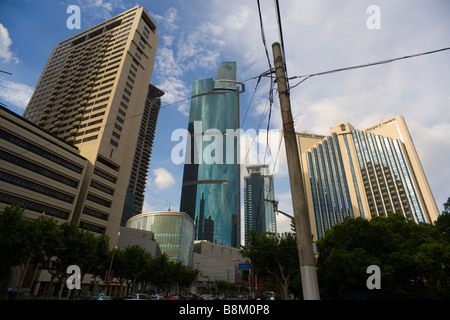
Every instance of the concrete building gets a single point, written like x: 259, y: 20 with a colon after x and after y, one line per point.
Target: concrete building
x: 145, y: 239
x: 92, y: 93
x: 38, y: 171
x: 364, y: 173
x: 216, y: 262
x: 259, y: 214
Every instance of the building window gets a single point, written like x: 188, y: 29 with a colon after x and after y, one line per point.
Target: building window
x: 101, y: 187
x: 18, y: 181
x: 92, y: 227
x: 105, y: 175
x: 35, y: 149
x: 98, y: 200
x: 114, y: 143
x: 36, y: 168
x: 115, y: 134
x: 34, y: 206
x: 95, y: 213
x: 90, y: 138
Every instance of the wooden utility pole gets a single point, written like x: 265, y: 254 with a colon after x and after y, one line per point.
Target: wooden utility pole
x: 300, y: 206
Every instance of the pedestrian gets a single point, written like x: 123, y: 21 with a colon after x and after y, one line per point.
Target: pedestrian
x: 8, y: 293
x: 15, y: 293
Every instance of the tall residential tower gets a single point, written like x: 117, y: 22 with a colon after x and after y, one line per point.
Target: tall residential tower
x: 93, y: 93
x: 364, y: 173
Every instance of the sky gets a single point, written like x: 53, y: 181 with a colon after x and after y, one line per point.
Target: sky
x: 318, y: 35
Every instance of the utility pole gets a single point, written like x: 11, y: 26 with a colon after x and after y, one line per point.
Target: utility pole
x: 300, y: 206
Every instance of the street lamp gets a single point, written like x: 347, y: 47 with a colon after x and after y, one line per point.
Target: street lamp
x: 108, y: 276
x: 275, y: 208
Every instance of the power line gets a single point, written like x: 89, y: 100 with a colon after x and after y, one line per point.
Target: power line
x: 280, y: 31
x: 263, y: 37
x: 307, y: 76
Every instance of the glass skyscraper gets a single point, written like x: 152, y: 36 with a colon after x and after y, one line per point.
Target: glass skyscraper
x: 364, y: 173
x: 259, y: 214
x: 211, y: 180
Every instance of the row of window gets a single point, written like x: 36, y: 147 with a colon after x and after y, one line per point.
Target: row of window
x: 39, y: 151
x: 21, y: 182
x: 37, y: 168
x: 34, y: 206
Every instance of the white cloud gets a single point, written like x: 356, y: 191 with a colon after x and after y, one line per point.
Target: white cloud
x: 176, y: 92
x: 285, y: 205
x: 167, y: 65
x: 18, y: 94
x: 163, y: 178
x: 100, y: 9
x: 322, y: 35
x: 5, y: 44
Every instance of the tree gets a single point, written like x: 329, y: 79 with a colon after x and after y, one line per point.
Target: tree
x: 413, y: 258
x: 14, y: 245
x: 274, y: 257
x: 129, y: 265
x: 443, y: 221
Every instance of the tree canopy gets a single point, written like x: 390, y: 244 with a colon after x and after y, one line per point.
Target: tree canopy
x: 55, y: 247
x: 414, y: 259
x: 274, y: 258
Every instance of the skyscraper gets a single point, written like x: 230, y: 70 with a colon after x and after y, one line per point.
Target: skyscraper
x: 259, y: 214
x: 210, y: 191
x: 134, y: 201
x: 364, y: 173
x: 92, y: 93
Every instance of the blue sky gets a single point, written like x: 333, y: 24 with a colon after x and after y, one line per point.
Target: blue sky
x: 197, y: 35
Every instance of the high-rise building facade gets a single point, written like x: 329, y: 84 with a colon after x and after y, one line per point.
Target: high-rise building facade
x: 364, y: 173
x: 211, y: 180
x: 92, y: 93
x: 259, y: 214
x: 134, y: 200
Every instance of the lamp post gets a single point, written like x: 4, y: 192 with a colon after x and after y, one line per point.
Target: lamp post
x: 108, y: 276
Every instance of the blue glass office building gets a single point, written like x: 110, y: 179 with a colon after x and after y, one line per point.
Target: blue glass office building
x: 364, y: 173
x: 259, y: 214
x: 211, y: 180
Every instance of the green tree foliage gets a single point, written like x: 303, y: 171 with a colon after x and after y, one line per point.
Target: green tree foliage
x: 14, y: 247
x: 414, y: 259
x: 49, y: 246
x: 274, y: 258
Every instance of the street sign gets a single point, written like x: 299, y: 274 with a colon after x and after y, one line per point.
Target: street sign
x: 244, y: 266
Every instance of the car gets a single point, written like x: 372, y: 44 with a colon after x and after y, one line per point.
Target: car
x: 137, y: 296
x: 100, y: 297
x: 157, y: 297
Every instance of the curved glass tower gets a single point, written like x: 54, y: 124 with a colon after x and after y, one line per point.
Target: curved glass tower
x: 211, y: 184
x: 174, y: 232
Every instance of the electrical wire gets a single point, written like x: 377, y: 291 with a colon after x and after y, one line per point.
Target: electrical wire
x: 306, y: 77
x: 280, y: 31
